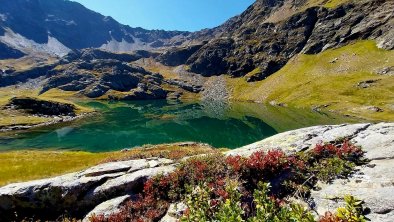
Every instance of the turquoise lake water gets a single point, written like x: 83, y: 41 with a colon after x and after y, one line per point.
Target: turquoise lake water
x: 121, y: 125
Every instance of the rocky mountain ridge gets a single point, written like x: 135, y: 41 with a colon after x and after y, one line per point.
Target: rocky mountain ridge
x: 263, y: 39
x: 56, y: 27
x: 255, y: 44
x: 268, y: 37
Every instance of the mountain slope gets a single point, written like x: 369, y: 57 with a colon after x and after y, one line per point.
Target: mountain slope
x: 332, y: 55
x: 269, y: 33
x: 56, y: 26
x: 356, y: 80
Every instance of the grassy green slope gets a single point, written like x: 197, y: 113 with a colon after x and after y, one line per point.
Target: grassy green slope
x: 329, y: 78
x: 327, y: 3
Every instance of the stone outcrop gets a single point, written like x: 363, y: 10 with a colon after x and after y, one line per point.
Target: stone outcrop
x: 174, y: 212
x: 177, y: 56
x: 373, y: 183
x: 42, y: 107
x: 16, y: 77
x: 108, y: 207
x: 96, y: 73
x: 80, y: 193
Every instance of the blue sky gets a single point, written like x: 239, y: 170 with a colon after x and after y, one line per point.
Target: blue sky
x: 184, y: 15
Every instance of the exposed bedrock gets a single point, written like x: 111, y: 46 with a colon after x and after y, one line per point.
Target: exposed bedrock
x: 373, y: 183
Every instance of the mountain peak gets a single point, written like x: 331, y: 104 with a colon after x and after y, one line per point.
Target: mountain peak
x: 74, y: 27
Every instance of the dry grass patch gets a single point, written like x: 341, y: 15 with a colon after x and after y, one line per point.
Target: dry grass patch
x: 20, y: 166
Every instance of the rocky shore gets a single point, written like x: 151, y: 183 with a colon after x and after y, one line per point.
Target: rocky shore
x: 104, y: 188
x: 54, y: 112
x: 55, y: 120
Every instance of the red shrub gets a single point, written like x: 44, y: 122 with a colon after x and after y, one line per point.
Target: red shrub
x: 236, y: 163
x: 346, y: 151
x: 268, y: 165
x: 329, y: 217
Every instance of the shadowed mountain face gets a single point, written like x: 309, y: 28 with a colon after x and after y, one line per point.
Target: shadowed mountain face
x: 7, y: 52
x: 59, y: 25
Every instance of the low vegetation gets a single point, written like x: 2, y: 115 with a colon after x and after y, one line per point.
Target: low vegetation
x: 20, y: 166
x: 327, y: 3
x: 259, y: 188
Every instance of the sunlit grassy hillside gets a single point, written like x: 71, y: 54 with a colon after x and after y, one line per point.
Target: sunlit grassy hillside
x: 345, y: 80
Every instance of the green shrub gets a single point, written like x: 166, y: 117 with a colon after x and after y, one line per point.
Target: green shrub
x: 328, y: 169
x: 352, y: 212
x: 231, y: 210
x: 267, y: 209
x: 198, y: 202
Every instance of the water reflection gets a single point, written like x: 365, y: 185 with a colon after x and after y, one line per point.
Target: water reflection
x: 128, y: 124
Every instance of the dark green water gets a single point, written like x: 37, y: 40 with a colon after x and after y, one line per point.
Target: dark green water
x: 128, y: 124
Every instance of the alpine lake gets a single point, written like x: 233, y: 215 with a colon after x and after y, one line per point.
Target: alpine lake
x: 119, y: 125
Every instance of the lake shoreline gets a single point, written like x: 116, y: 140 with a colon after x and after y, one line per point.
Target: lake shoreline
x: 55, y: 120
x: 117, y: 125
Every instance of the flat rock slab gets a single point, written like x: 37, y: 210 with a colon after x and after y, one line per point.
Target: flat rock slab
x: 306, y: 138
x: 125, y: 166
x: 373, y: 183
x: 108, y: 207
x: 129, y: 181
x: 377, y: 140
x: 78, y: 193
